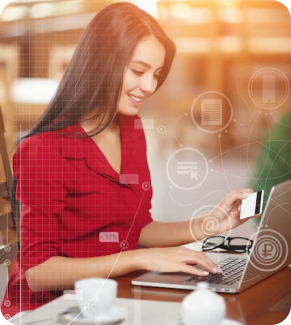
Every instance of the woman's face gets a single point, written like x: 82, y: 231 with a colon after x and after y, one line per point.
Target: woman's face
x: 141, y: 76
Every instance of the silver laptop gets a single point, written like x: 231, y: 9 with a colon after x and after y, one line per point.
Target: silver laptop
x: 270, y: 253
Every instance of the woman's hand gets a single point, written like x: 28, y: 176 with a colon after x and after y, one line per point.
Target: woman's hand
x: 224, y: 217
x: 228, y: 210
x: 175, y: 259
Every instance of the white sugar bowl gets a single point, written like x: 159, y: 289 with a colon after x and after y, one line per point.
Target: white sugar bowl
x: 203, y: 307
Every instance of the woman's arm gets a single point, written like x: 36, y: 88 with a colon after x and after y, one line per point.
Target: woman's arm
x: 165, y: 234
x: 59, y: 273
x: 224, y: 217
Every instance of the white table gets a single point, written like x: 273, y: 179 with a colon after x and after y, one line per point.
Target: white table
x: 140, y: 312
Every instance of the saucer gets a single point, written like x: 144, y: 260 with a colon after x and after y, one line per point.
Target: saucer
x: 224, y: 322
x: 116, y: 316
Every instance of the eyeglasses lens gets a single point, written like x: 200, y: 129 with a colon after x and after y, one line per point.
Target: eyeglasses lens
x: 240, y: 244
x: 213, y: 242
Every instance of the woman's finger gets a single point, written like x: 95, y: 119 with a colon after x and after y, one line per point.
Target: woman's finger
x: 202, y: 260
x: 247, y: 190
x: 209, y: 266
x: 207, y: 259
x: 192, y: 270
x: 236, y: 197
x: 201, y: 255
x: 194, y: 257
x: 252, y: 217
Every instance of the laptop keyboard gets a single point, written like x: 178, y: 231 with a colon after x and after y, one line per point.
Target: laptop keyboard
x: 232, y: 270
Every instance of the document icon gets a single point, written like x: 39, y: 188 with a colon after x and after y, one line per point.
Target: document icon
x: 188, y: 168
x: 211, y: 112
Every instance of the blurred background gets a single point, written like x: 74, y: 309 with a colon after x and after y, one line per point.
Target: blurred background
x: 229, y: 87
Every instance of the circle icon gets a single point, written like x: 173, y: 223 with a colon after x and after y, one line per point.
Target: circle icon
x: 212, y: 112
x: 161, y: 129
x: 146, y: 186
x: 187, y: 168
x: 7, y: 303
x: 206, y: 221
x: 7, y: 262
x: 89, y: 304
x: 124, y: 244
x: 265, y: 88
x: 270, y: 251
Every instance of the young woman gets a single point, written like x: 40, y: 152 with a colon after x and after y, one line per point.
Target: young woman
x: 82, y: 171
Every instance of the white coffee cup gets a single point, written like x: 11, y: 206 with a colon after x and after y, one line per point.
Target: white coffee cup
x: 98, y: 296
x: 203, y: 307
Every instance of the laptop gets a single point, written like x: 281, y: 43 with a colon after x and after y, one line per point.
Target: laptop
x: 271, y: 252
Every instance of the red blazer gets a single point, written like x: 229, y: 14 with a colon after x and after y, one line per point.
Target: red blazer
x: 70, y: 194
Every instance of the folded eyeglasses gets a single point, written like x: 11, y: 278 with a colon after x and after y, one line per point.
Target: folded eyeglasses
x: 232, y: 244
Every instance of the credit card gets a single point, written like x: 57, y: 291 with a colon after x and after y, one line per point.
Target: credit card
x: 252, y: 205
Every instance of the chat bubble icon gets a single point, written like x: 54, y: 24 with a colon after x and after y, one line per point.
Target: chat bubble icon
x: 128, y: 179
x: 146, y: 124
x: 109, y: 237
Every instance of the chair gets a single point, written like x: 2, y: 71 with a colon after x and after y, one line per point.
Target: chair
x: 10, y: 209
x: 9, y: 72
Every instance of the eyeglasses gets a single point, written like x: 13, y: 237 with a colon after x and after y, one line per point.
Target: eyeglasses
x: 233, y: 244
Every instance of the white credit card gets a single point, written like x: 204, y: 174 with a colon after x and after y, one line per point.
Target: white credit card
x: 252, y: 205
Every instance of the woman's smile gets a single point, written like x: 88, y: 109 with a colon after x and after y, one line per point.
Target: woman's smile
x: 136, y: 101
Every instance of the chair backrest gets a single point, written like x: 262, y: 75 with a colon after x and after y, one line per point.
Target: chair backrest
x: 9, y: 208
x: 9, y: 72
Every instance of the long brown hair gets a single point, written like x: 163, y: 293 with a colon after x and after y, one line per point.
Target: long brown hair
x: 94, y: 76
